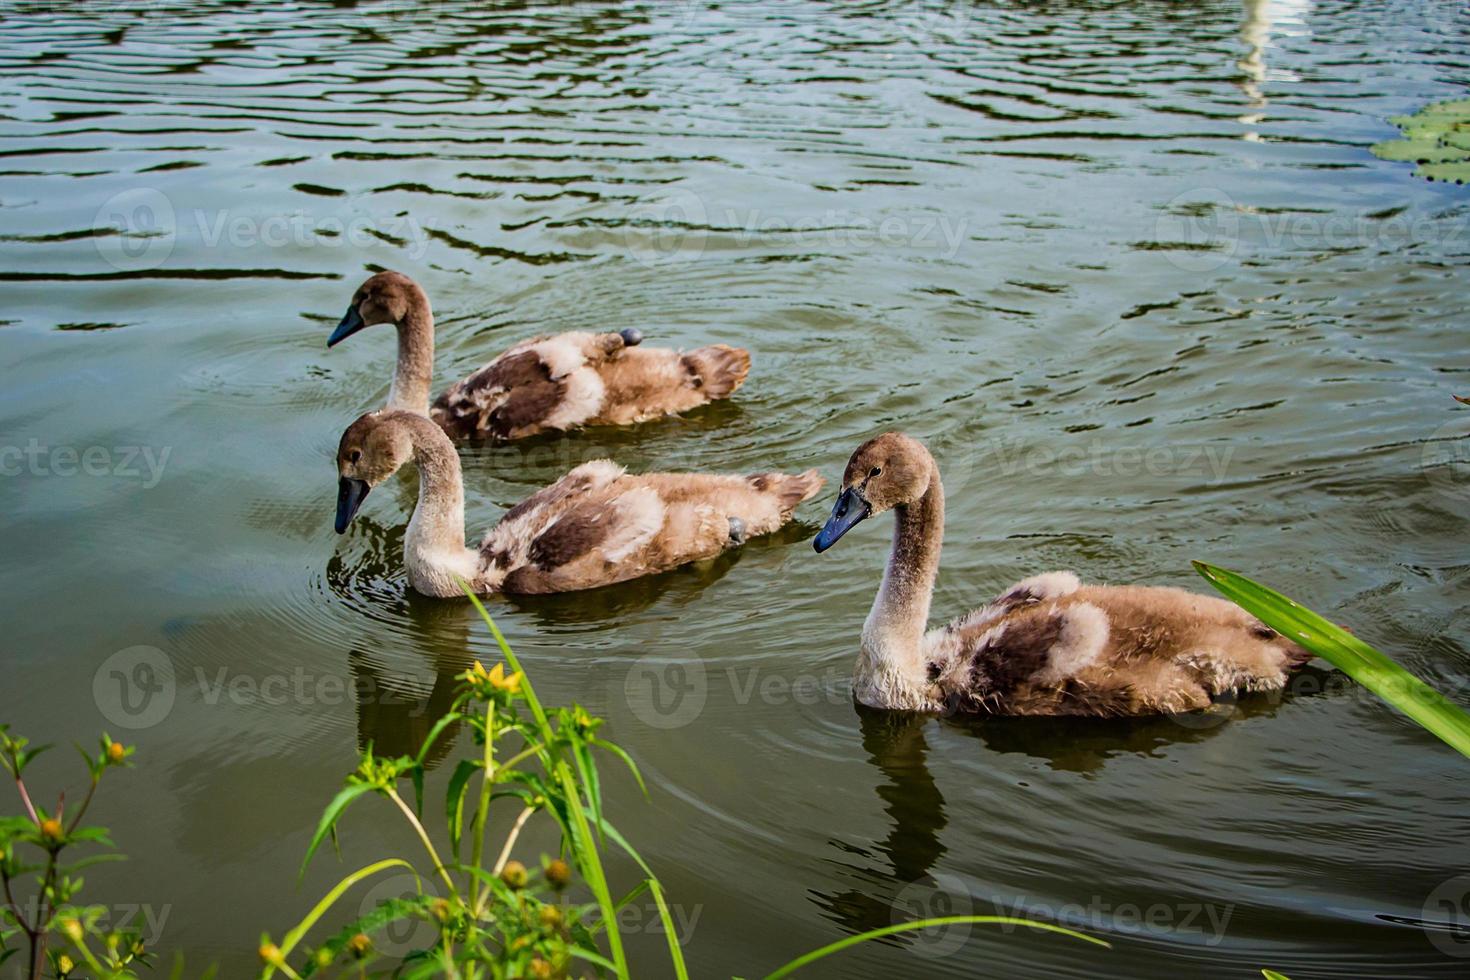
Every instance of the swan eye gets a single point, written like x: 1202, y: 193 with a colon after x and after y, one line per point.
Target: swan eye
x: 874, y: 471
x: 356, y: 455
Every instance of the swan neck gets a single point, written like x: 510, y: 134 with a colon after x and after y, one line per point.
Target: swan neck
x: 414, y: 373
x: 434, y: 546
x: 892, y: 671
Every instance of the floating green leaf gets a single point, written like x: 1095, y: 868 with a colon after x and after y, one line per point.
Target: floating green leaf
x: 1437, y: 138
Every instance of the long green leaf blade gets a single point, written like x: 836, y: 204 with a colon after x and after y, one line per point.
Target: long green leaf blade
x: 1003, y: 920
x: 329, y: 819
x: 1370, y: 668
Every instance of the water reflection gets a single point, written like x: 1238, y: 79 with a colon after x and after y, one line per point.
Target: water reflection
x: 1263, y: 18
x: 897, y: 746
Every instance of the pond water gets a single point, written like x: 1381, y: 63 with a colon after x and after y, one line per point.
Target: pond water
x: 1129, y: 268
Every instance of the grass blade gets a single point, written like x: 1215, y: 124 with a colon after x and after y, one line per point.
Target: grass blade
x: 1001, y: 920
x: 1370, y: 668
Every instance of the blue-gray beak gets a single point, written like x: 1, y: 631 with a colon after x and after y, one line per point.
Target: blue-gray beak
x: 847, y: 513
x: 350, y: 494
x: 351, y: 324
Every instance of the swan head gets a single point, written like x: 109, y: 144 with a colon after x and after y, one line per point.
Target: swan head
x: 383, y: 298
x: 887, y: 471
x: 371, y: 450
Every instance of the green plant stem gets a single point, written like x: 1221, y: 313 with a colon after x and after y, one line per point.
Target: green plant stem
x: 424, y: 836
x: 482, y: 811
x: 86, y: 802
x: 558, y: 769
x: 510, y: 839
x: 25, y: 797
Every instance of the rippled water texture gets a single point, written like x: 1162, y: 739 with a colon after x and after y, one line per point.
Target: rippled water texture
x: 1128, y: 267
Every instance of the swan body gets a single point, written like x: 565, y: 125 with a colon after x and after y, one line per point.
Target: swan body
x: 595, y: 526
x: 1049, y: 645
x: 548, y: 383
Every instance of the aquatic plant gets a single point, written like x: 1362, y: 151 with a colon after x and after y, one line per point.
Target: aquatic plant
x: 502, y: 918
x: 37, y: 845
x: 495, y: 916
x: 1370, y: 668
x: 1437, y: 138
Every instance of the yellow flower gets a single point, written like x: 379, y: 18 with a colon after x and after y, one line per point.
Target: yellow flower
x: 64, y: 965
x: 73, y: 929
x: 115, y: 752
x: 51, y: 828
x: 270, y: 953
x: 558, y: 874
x: 359, y: 945
x: 500, y: 682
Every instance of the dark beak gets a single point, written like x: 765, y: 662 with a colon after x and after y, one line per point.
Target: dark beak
x: 849, y: 510
x: 632, y: 336
x: 350, y: 495
x: 351, y: 324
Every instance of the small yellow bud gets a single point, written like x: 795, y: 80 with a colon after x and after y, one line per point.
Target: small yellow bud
x: 73, y: 929
x: 514, y: 874
x: 270, y: 954
x: 115, y: 752
x: 558, y: 874
x: 51, y: 828
x: 323, y: 958
x: 64, y: 965
x: 441, y: 909
x: 541, y: 970
x: 359, y: 945
x: 550, y: 916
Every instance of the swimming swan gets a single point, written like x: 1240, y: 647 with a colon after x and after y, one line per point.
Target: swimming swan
x: 1049, y: 645
x: 595, y: 526
x: 554, y: 382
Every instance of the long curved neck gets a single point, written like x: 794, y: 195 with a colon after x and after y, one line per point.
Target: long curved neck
x: 434, y: 549
x: 891, y: 669
x: 414, y: 373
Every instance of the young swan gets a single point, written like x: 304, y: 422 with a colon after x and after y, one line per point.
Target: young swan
x: 595, y: 526
x: 553, y: 382
x: 1049, y: 645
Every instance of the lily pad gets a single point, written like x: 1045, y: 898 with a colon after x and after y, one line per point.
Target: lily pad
x: 1437, y: 138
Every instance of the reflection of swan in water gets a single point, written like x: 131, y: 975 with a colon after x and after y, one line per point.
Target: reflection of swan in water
x: 902, y: 863
x: 396, y: 705
x: 896, y: 745
x: 1262, y: 19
